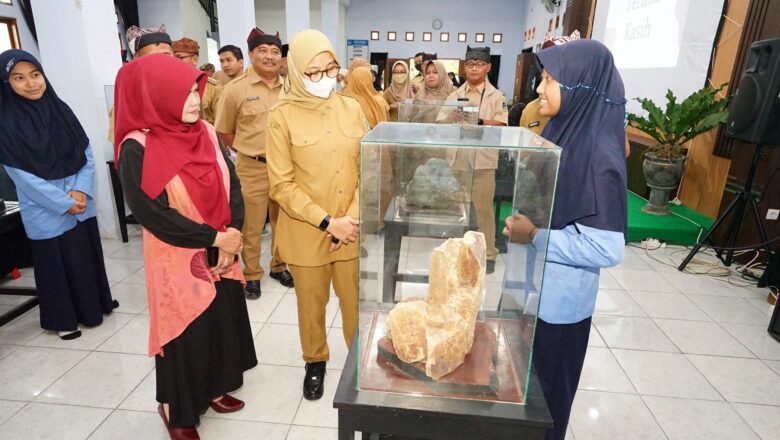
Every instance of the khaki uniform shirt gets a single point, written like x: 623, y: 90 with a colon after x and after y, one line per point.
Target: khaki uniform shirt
x: 418, y: 83
x: 208, y: 104
x: 491, y: 108
x: 531, y: 119
x: 221, y: 77
x: 243, y: 111
x: 313, y: 166
x: 111, y: 126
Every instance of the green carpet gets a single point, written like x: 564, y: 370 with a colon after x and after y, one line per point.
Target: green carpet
x: 682, y: 227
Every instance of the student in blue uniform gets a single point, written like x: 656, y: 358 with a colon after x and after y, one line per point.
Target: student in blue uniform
x: 582, y: 93
x: 47, y: 154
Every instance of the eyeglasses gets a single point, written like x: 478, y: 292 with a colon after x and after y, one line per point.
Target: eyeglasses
x: 332, y: 72
x: 401, y: 72
x: 184, y: 57
x: 476, y: 65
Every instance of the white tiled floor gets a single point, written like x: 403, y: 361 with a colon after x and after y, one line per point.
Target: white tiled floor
x: 672, y: 356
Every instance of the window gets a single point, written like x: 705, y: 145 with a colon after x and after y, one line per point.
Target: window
x: 479, y: 37
x: 391, y: 36
x: 6, y: 2
x: 409, y: 36
x: 498, y: 38
x: 374, y: 35
x: 9, y: 34
x: 462, y: 37
x: 427, y: 36
x: 444, y: 37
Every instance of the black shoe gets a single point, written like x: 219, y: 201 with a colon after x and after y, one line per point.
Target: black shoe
x: 314, y: 381
x: 490, y: 266
x: 69, y: 336
x: 284, y: 277
x: 114, y: 304
x: 252, y: 289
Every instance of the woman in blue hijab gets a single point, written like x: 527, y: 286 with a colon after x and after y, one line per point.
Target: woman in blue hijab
x: 46, y: 153
x: 582, y: 92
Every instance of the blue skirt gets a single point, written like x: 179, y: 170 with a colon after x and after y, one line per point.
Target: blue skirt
x: 70, y: 276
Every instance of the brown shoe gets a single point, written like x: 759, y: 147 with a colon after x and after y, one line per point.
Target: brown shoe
x: 227, y: 404
x: 189, y: 433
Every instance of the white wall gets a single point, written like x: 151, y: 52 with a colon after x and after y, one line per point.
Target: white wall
x: 498, y: 16
x: 537, y: 16
x: 151, y: 13
x: 270, y: 17
x: 195, y: 24
x: 25, y: 36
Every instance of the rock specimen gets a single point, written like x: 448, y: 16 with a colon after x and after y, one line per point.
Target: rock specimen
x: 406, y: 327
x: 433, y: 186
x: 441, y: 330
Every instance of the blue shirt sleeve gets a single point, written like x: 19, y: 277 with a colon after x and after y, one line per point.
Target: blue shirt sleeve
x: 40, y: 191
x: 85, y: 178
x: 582, y: 246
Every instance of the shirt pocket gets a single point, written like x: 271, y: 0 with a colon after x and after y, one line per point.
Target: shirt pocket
x: 352, y: 137
x: 254, y: 112
x: 307, y: 151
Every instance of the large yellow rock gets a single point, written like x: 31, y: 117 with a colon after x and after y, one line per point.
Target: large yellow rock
x: 455, y: 292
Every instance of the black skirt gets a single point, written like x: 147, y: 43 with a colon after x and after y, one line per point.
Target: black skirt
x: 209, y: 358
x: 70, y: 276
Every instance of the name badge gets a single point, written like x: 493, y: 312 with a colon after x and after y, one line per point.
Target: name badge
x: 533, y: 124
x: 252, y: 98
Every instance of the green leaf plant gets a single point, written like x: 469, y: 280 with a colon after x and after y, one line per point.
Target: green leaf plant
x: 680, y: 122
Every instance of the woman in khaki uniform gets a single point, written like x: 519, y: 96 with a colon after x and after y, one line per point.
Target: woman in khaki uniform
x: 313, y: 142
x: 400, y: 88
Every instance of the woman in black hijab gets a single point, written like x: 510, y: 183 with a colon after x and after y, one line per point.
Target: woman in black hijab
x: 46, y: 152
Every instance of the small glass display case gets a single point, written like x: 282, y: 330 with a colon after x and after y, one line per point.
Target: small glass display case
x: 434, y: 320
x: 438, y: 112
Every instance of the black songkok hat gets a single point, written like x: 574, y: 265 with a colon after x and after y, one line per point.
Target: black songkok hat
x: 257, y: 37
x: 478, y: 54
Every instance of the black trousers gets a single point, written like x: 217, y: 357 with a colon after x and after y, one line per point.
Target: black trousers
x: 559, y: 354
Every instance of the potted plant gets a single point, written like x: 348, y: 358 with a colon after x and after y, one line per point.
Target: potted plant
x: 672, y: 128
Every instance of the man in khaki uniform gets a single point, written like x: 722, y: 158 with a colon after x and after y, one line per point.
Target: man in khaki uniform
x: 241, y: 123
x: 143, y: 42
x: 187, y: 50
x: 231, y: 61
x: 492, y: 111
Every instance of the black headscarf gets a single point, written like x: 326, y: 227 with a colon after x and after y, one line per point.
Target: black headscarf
x: 590, y: 128
x: 42, y: 137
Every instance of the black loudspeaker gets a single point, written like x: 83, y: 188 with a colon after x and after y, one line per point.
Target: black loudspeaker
x: 754, y: 111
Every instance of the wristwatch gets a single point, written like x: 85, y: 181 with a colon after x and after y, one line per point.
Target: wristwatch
x: 325, y: 223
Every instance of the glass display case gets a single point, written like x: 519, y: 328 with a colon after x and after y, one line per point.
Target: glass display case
x: 432, y: 321
x: 438, y: 112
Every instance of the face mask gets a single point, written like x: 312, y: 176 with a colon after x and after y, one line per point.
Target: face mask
x: 399, y: 78
x: 322, y: 88
x: 418, y: 66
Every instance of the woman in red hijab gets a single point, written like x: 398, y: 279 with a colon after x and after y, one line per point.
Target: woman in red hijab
x: 186, y: 196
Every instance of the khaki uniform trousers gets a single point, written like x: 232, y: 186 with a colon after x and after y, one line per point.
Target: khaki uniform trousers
x: 483, y: 191
x: 253, y: 175
x: 312, y: 289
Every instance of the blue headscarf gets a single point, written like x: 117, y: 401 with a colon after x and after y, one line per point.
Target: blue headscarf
x: 42, y: 137
x: 590, y: 128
